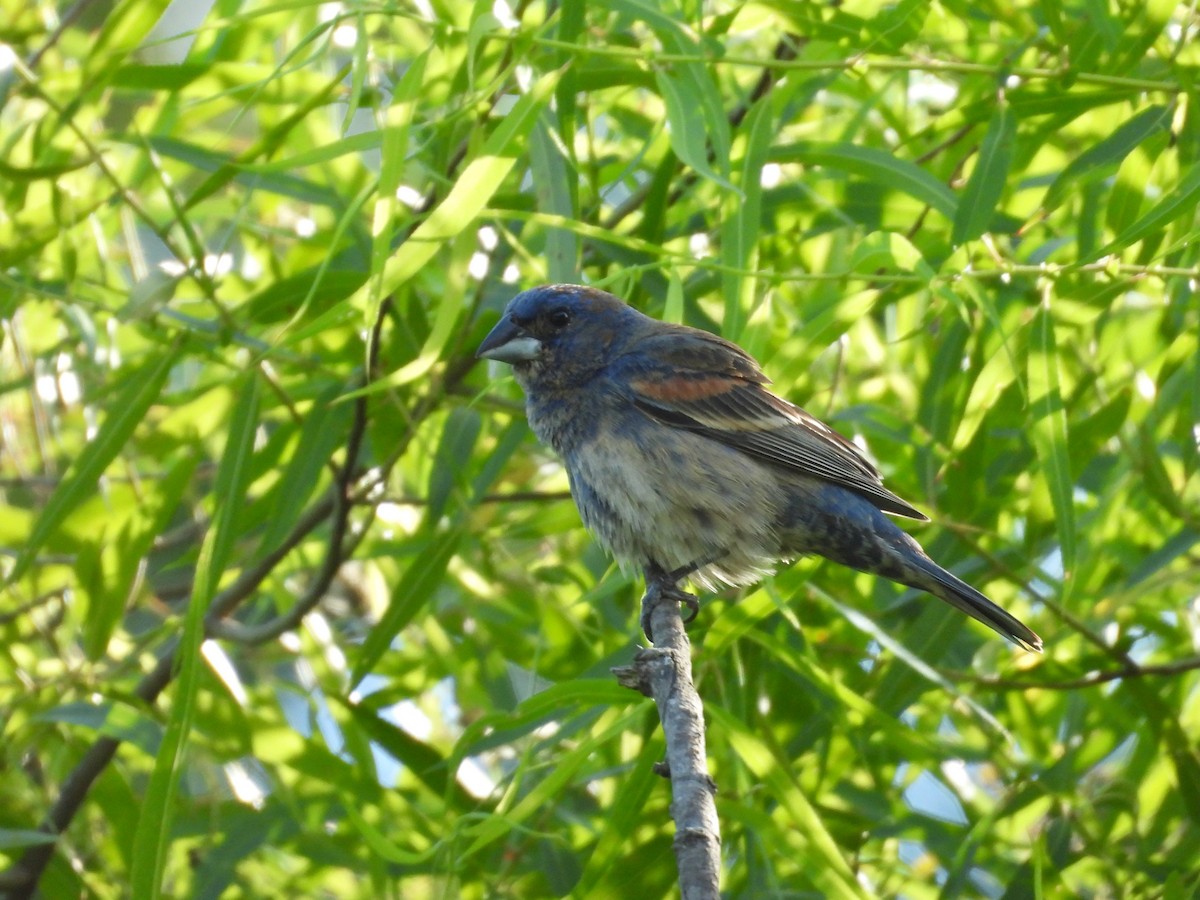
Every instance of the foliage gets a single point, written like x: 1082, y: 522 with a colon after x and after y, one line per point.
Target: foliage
x: 965, y: 234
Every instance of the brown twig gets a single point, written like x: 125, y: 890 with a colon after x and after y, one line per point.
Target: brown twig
x: 505, y: 497
x: 1092, y: 679
x: 339, y: 549
x: 785, y: 50
x: 9, y: 616
x: 664, y: 672
x: 22, y: 879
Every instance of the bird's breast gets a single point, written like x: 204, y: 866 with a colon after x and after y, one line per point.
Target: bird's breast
x: 656, y: 494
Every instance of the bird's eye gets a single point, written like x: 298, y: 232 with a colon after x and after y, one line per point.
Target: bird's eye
x: 560, y: 318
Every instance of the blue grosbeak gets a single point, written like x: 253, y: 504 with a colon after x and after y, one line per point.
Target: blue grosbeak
x: 683, y: 463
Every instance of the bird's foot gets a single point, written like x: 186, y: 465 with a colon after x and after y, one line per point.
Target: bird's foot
x: 663, y: 587
x: 658, y: 592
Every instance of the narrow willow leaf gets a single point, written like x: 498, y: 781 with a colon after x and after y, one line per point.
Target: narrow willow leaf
x: 16, y: 838
x: 153, y: 835
x: 424, y: 760
x: 129, y: 408
x: 452, y: 459
x: 159, y: 501
x: 686, y: 126
x: 741, y: 227
x: 877, y: 166
x: 351, y: 145
x: 831, y: 874
x: 696, y: 113
x: 323, y: 431
x: 476, y: 185
x: 544, y: 793
x: 125, y: 28
x: 1048, y: 431
x: 1127, y: 197
x: 379, y: 843
x: 266, y: 146
x: 673, y: 305
x: 393, y: 153
x: 1178, y: 201
x: 1104, y: 158
x: 557, y: 194
x: 411, y: 594
x: 622, y: 818
x: 986, y: 184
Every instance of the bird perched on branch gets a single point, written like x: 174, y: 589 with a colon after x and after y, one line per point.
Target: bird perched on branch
x: 683, y: 463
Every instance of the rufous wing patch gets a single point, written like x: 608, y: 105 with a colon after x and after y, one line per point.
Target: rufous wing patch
x: 678, y: 389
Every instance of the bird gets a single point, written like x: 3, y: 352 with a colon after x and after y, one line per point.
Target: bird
x: 684, y: 464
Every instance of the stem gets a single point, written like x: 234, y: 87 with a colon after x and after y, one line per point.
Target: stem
x: 664, y: 672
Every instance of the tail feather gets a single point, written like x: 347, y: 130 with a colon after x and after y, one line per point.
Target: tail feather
x: 962, y: 596
x: 843, y: 526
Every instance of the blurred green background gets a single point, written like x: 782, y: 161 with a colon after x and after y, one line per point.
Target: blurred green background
x: 965, y: 234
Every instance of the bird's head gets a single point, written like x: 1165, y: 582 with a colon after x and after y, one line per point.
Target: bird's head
x: 559, y: 335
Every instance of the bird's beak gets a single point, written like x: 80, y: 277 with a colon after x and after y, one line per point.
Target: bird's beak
x: 510, y: 343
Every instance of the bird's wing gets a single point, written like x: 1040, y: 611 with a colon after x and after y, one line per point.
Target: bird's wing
x: 694, y: 380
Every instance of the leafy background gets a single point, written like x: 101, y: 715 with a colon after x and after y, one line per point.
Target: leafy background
x: 965, y: 234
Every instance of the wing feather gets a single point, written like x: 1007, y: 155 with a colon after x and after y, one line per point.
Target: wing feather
x: 707, y: 385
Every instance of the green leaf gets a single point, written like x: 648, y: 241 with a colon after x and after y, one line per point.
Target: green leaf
x: 472, y: 190
x: 379, y: 842
x: 1048, y: 432
x: 1179, y: 201
x: 696, y: 115
x: 428, y: 765
x: 414, y: 590
x: 128, y: 409
x: 323, y: 431
x: 625, y: 814
x: 154, y: 830
x: 124, y: 28
x: 451, y: 462
x: 1127, y: 197
x: 555, y: 195
x: 283, y: 184
x: 567, y: 765
x: 986, y: 184
x: 741, y: 228
x: 16, y: 838
x: 265, y: 146
x: 159, y: 503
x: 829, y: 870
x: 686, y: 126
x: 875, y: 165
x: 1103, y: 159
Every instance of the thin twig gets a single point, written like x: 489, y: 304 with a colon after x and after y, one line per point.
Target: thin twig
x: 785, y: 50
x: 1092, y: 679
x: 505, y: 497
x: 11, y: 615
x: 21, y: 881
x: 339, y: 548
x: 664, y: 672
x: 859, y: 64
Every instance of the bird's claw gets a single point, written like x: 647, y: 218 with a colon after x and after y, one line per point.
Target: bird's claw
x: 662, y: 585
x: 693, y: 605
x: 659, y: 592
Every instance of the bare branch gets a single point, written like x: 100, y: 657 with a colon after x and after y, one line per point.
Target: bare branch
x: 664, y: 672
x: 1092, y: 679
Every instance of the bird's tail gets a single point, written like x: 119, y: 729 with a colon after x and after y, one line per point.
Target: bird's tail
x: 849, y: 529
x: 926, y: 575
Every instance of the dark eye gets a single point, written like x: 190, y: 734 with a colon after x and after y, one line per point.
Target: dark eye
x: 560, y: 318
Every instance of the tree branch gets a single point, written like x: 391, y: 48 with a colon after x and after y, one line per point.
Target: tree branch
x: 22, y: 879
x: 664, y: 672
x: 340, y: 549
x: 1092, y: 679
